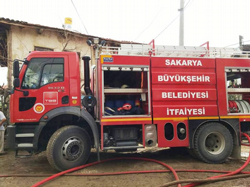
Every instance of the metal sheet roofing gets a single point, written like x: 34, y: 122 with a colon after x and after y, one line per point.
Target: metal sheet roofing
x: 7, y: 21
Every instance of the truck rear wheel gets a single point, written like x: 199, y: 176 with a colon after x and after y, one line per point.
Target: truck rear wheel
x: 68, y: 147
x: 213, y: 143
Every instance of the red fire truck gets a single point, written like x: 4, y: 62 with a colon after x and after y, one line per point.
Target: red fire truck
x: 136, y: 97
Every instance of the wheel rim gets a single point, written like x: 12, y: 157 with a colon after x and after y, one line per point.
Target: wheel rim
x: 215, y: 143
x: 72, y: 149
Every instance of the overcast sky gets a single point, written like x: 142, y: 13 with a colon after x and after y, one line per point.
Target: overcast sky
x: 218, y: 21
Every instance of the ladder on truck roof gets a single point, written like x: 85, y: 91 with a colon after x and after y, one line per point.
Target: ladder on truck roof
x: 175, y: 51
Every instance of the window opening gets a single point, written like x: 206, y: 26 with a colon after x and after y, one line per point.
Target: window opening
x: 238, y: 90
x: 125, y: 91
x: 52, y: 73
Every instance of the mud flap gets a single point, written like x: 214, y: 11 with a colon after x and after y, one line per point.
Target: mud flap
x: 236, y: 153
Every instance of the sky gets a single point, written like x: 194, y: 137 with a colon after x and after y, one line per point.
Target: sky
x: 218, y: 21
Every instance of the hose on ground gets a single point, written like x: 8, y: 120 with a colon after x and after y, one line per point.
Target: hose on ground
x: 206, y: 180
x: 118, y: 173
x: 228, y: 175
x: 231, y: 173
x: 98, y: 162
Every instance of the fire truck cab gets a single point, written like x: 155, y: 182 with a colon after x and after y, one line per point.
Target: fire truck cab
x: 136, y: 98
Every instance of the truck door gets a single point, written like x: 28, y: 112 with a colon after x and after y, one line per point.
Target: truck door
x: 47, y: 84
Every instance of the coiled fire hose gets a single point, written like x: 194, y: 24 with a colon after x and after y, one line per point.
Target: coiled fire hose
x: 228, y: 175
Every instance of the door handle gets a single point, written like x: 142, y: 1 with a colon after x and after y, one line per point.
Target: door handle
x: 65, y: 99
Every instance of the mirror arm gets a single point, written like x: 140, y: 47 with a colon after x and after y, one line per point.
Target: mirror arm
x: 25, y: 93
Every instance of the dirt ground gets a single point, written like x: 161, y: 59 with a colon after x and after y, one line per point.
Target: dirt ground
x: 176, y: 158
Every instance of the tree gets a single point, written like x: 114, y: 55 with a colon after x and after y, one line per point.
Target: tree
x: 3, y: 51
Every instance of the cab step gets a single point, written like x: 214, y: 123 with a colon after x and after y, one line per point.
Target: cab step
x: 25, y: 135
x: 24, y: 147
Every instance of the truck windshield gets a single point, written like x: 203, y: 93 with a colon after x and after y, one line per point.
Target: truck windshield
x: 33, y: 73
x: 42, y: 71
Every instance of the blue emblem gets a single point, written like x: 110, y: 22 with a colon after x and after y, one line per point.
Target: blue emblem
x: 107, y: 59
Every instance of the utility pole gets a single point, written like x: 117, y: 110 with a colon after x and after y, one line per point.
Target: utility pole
x: 181, y: 31
x: 240, y: 40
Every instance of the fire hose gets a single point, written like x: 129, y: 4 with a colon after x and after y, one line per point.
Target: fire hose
x: 228, y: 175
x: 231, y: 173
x: 98, y: 162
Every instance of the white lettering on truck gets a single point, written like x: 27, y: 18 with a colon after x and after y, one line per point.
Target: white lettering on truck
x: 185, y: 95
x: 186, y: 111
x: 182, y: 62
x: 183, y: 78
x: 50, y: 100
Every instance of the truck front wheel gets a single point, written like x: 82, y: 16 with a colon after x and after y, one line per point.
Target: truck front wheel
x: 213, y: 143
x: 68, y: 147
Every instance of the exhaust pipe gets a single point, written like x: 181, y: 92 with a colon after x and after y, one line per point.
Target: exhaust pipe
x: 87, y: 89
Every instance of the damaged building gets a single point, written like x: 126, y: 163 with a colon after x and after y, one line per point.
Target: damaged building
x: 18, y: 38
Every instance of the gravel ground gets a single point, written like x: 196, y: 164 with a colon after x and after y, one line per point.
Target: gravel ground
x: 176, y: 158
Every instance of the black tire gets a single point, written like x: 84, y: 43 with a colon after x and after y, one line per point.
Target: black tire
x: 68, y: 147
x: 213, y: 143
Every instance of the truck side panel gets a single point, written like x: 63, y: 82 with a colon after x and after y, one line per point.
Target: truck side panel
x: 74, y: 81
x: 181, y: 88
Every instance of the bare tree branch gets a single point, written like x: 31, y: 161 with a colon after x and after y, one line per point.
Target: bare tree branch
x: 3, y: 51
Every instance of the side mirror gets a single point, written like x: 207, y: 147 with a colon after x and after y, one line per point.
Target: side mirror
x: 16, y: 82
x: 16, y: 69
